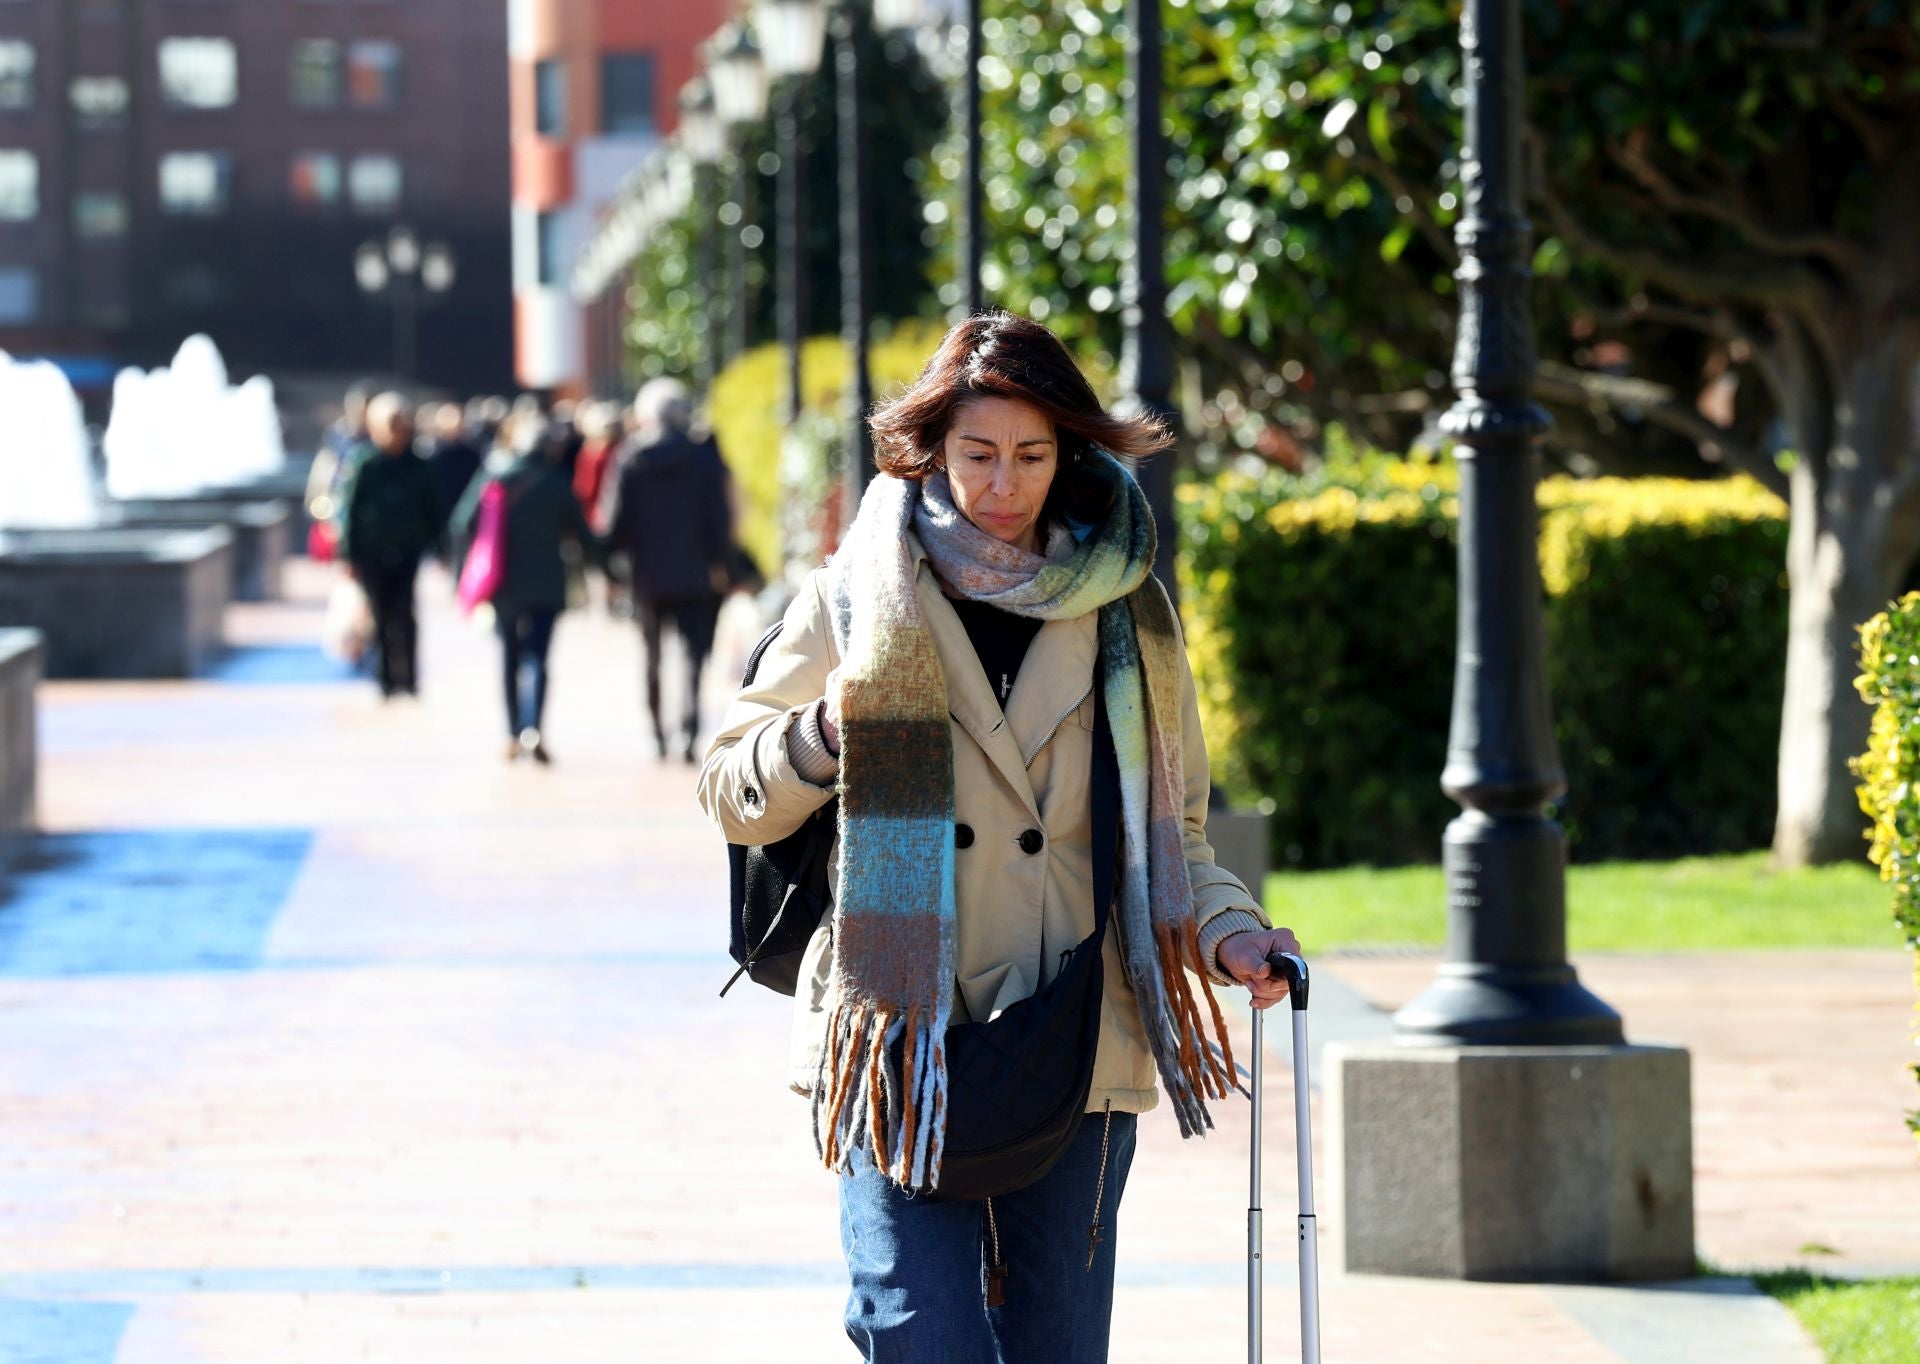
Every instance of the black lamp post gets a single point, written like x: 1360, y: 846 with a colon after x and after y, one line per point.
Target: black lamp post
x: 705, y: 142
x: 973, y: 227
x: 791, y: 31
x: 1146, y: 362
x: 1506, y: 980
x: 740, y: 97
x: 849, y: 24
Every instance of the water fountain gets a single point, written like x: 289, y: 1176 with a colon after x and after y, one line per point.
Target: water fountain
x: 110, y: 598
x: 186, y: 447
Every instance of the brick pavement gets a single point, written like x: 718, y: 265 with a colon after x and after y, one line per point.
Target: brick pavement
x: 325, y: 1035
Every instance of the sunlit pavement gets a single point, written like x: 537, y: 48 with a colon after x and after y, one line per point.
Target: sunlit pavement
x: 327, y: 1035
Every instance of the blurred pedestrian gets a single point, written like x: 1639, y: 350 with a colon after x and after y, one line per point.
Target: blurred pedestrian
x: 671, y: 520
x: 600, y: 424
x: 453, y: 458
x: 338, y: 443
x: 539, y: 515
x: 391, y: 518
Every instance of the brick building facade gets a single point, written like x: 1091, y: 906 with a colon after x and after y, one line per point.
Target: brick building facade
x: 170, y: 166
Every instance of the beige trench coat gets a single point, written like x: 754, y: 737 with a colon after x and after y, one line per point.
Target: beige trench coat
x: 1026, y: 769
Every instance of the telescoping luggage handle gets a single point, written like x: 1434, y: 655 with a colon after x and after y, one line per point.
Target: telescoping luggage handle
x: 1294, y: 969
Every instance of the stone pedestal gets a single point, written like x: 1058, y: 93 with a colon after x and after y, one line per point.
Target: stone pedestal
x: 21, y: 653
x: 119, y: 603
x: 1531, y: 1164
x: 262, y: 534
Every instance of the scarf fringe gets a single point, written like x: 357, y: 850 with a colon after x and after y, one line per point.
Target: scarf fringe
x: 1203, y: 1066
x: 864, y: 1108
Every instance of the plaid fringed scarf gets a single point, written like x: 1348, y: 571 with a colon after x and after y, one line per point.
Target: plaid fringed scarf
x: 882, y: 1083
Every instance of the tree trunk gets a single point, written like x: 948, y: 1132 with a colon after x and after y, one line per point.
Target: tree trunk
x: 1853, y: 537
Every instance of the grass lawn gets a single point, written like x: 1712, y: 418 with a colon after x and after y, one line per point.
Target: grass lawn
x: 1703, y: 903
x: 1876, y: 1322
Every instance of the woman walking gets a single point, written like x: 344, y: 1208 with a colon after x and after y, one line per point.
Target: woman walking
x: 985, y: 658
x: 538, y: 516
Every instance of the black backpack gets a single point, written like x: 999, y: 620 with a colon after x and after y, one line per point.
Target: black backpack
x: 780, y: 892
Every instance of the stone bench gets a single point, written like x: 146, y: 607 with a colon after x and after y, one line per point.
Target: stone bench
x: 118, y: 602
x: 21, y: 657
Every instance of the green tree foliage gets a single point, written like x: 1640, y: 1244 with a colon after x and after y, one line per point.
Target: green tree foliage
x: 906, y: 110
x: 1889, y: 770
x: 1726, y: 193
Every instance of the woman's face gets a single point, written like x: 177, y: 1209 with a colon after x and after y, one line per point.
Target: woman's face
x: 1001, y: 457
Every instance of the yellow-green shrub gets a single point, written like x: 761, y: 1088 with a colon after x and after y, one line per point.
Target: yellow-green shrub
x: 1320, y: 614
x: 749, y: 398
x: 1889, y: 770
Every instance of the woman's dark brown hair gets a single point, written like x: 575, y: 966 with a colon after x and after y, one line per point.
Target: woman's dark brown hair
x: 999, y: 355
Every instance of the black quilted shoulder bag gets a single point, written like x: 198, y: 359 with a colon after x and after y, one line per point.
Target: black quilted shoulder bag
x: 1017, y: 1084
x: 779, y: 890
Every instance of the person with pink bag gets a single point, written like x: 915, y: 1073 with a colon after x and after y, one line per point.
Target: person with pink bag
x: 515, y: 522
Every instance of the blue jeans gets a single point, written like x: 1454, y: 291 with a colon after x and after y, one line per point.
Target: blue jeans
x: 525, y: 637
x: 918, y: 1266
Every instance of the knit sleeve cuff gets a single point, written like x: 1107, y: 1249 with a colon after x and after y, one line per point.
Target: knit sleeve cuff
x: 1217, y: 930
x: 807, y: 749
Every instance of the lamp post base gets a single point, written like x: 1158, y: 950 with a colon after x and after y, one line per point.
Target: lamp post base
x: 1523, y: 1164
x: 1477, y: 1004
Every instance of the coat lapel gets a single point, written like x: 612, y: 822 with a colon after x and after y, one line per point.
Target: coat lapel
x: 969, y: 694
x: 1055, y: 678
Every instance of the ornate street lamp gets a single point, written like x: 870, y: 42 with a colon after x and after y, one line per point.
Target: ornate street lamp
x: 793, y: 30
x: 704, y: 139
x: 403, y: 270
x: 1506, y: 980
x: 740, y: 97
x: 1146, y: 361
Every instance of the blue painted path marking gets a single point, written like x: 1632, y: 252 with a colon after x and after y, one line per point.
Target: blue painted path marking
x: 62, y: 1332
x: 145, y: 902
x: 279, y: 665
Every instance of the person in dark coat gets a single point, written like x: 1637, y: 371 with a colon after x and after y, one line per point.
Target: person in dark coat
x: 672, y: 519
x: 390, y: 519
x: 454, y: 459
x: 542, y: 515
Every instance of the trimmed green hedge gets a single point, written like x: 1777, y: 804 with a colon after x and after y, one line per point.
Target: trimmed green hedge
x: 1321, y: 620
x: 1889, y: 770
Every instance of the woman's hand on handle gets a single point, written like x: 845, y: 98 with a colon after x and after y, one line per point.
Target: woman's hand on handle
x: 1244, y: 957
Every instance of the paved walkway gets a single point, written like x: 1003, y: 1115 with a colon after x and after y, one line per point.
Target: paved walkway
x: 327, y: 1036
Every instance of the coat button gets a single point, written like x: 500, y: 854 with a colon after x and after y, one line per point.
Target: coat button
x: 1031, y: 842
x: 963, y: 836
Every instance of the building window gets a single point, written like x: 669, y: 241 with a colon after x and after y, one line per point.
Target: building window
x: 99, y: 101
x: 198, y: 184
x: 19, y: 295
x: 199, y: 73
x: 19, y: 186
x: 194, y: 288
x: 315, y: 79
x: 315, y: 179
x: 626, y: 93
x: 547, y: 240
x: 550, y: 98
x: 373, y: 74
x: 100, y: 214
x: 374, y: 183
x: 16, y: 74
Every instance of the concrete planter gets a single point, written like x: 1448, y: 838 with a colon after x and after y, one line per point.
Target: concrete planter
x: 119, y: 603
x: 21, y: 655
x: 262, y: 535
